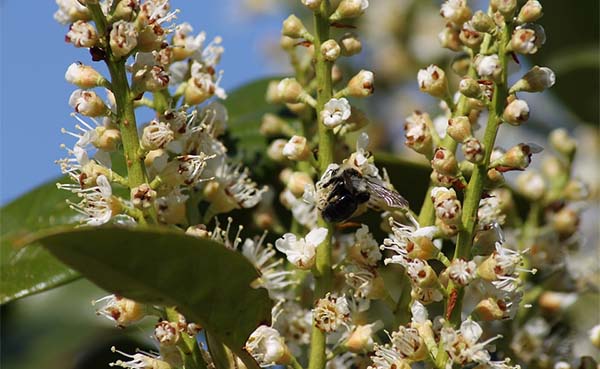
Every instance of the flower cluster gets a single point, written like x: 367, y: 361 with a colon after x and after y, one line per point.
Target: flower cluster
x: 352, y: 259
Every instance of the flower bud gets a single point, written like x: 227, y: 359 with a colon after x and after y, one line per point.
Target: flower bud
x: 433, y: 81
x: 460, y: 65
x: 166, y: 333
x: 272, y: 95
x: 459, y: 128
x: 287, y: 43
x: 505, y: 7
x: 565, y: 222
x: 469, y: 36
x: 530, y: 12
x: 125, y: 9
x: 84, y: 76
x: 156, y: 135
x: 516, y: 112
x: 473, y: 150
x: 483, y: 22
x: 444, y: 162
x: 563, y: 143
x: 576, y: 190
x: 350, y: 44
x: 272, y: 125
x: 531, y: 184
x: 87, y: 103
x: 449, y: 38
x: 422, y: 274
x: 297, y: 181
x: 142, y: 196
x: 552, y: 167
x: 417, y: 133
x: 495, y: 177
x: 123, y: 38
x: 469, y: 88
x: 488, y: 66
x: 108, y: 138
x: 294, y: 28
x: 556, y: 302
x: 296, y: 149
x: 123, y: 311
x: 275, y: 150
x: 442, y: 180
x: 362, y: 84
x: 527, y: 40
x: 82, y: 34
x: 490, y: 309
x: 312, y: 4
x: 537, y: 79
x: 156, y: 161
x: 150, y: 38
x: 349, y: 9
x: 456, y: 12
x: 361, y: 338
x: 516, y: 158
x: 336, y: 74
x: 330, y: 50
x: 446, y: 229
x: 446, y: 205
x: 289, y: 90
x: 152, y: 79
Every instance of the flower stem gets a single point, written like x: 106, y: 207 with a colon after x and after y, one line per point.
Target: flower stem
x: 326, y: 141
x: 124, y: 100
x: 475, y: 186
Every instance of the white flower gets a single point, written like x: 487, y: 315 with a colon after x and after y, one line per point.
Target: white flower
x: 331, y: 312
x: 304, y: 209
x: 450, y: 8
x: 140, y: 360
x: 120, y: 310
x: 82, y: 34
x: 462, y: 346
x: 267, y: 346
x: 123, y: 38
x: 301, y: 252
x: 273, y: 277
x: 387, y: 357
x: 87, y: 103
x: 96, y: 205
x: 488, y: 65
x: 70, y: 11
x: 404, y: 239
x: 461, y: 271
x: 365, y: 249
x: 232, y: 188
x: 432, y: 80
x: 361, y: 280
x: 335, y: 112
x: 296, y: 149
x: 156, y: 135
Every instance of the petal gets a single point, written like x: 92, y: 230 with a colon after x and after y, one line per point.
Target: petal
x: 286, y: 243
x: 471, y: 331
x: 316, y: 236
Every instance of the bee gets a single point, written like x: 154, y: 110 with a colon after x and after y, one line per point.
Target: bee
x: 347, y: 189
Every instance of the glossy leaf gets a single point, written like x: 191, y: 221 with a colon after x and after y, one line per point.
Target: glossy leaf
x: 208, y: 283
x: 31, y: 269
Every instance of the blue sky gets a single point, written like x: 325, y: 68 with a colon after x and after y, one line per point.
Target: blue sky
x: 34, y: 95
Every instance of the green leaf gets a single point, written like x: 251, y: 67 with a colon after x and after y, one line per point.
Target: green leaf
x: 28, y: 270
x: 208, y: 283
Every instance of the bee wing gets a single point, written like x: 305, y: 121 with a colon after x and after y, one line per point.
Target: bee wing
x: 391, y: 198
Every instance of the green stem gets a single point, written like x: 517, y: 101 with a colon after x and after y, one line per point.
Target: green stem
x: 294, y: 364
x: 322, y: 268
x: 124, y: 100
x: 475, y: 186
